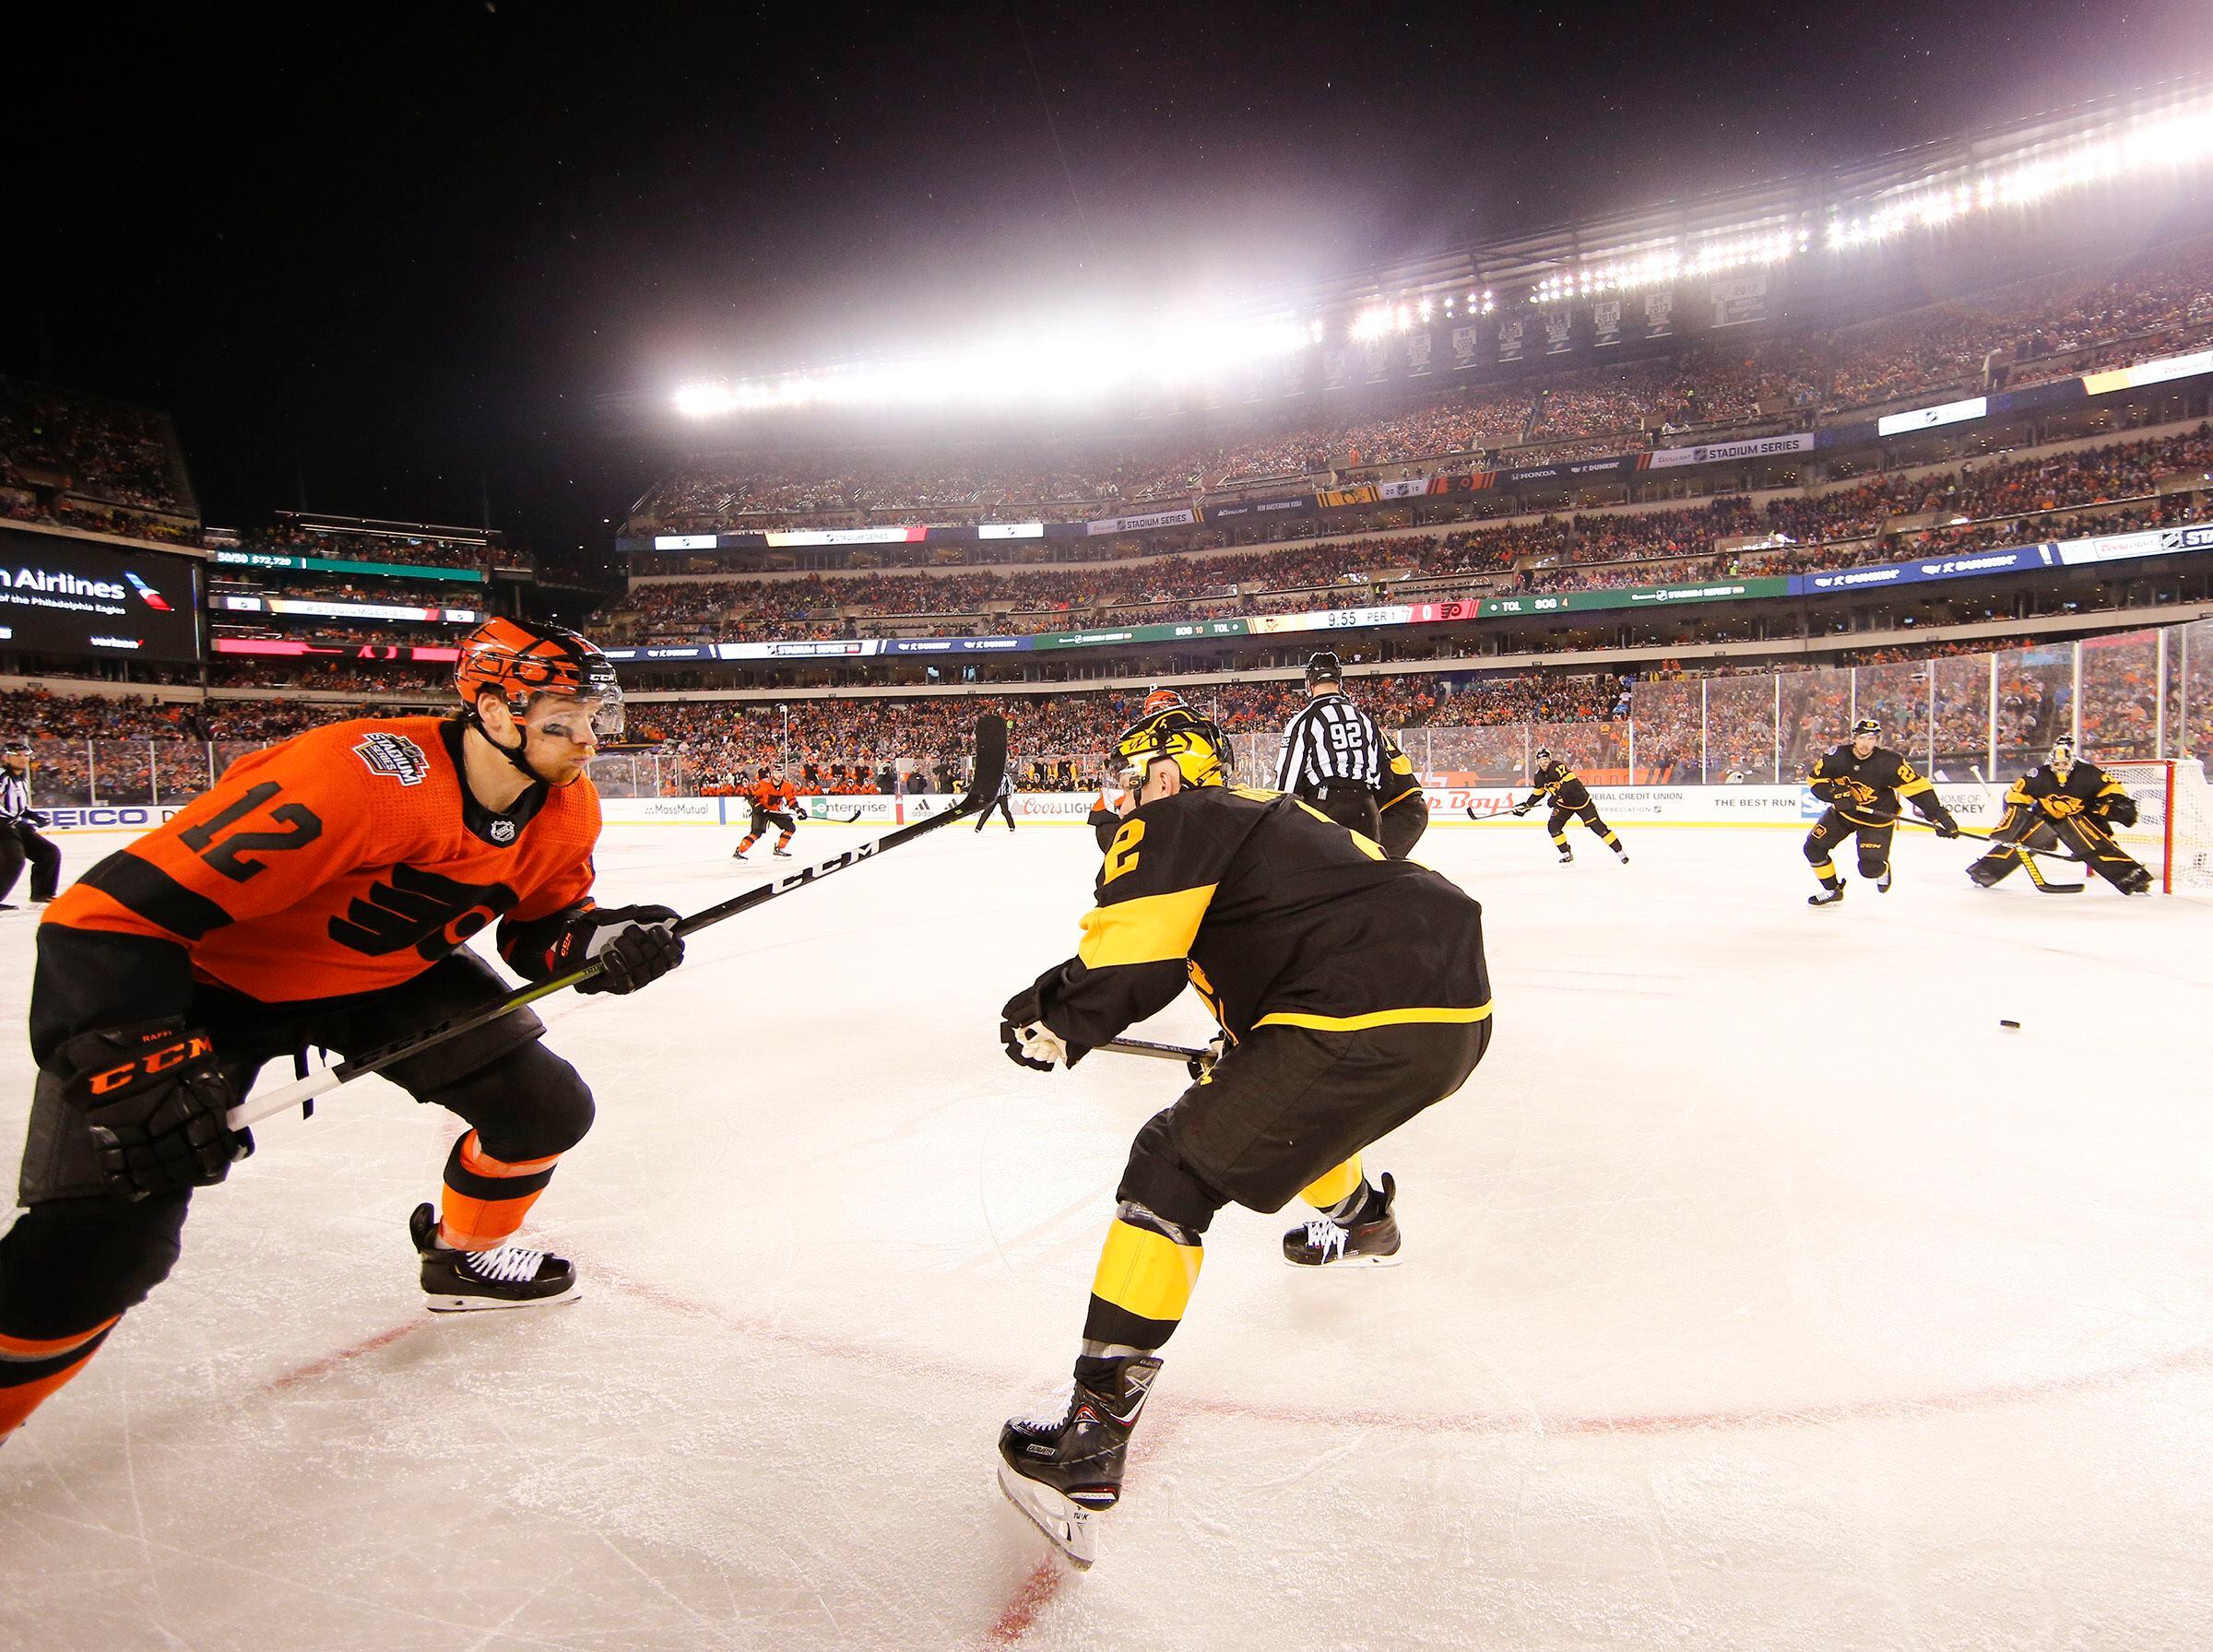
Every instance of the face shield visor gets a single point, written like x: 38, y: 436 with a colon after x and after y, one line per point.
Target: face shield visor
x: 598, y: 708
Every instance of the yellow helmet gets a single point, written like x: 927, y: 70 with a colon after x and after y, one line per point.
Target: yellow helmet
x: 1197, y: 745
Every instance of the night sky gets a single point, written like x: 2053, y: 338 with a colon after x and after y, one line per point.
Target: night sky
x: 400, y: 255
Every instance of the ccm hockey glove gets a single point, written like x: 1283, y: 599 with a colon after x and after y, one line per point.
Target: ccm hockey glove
x: 634, y: 945
x: 155, y: 1101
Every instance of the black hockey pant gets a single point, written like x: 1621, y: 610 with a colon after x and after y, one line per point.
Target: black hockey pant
x: 1286, y: 1110
x: 1555, y: 825
x: 1829, y: 833
x: 20, y: 842
x: 81, y: 1255
x: 2083, y: 835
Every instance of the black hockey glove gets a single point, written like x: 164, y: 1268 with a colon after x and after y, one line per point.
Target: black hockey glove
x: 154, y: 1100
x: 633, y: 944
x: 1522, y: 808
x: 2121, y: 809
x: 1946, y: 826
x: 35, y: 817
x: 1202, y: 1063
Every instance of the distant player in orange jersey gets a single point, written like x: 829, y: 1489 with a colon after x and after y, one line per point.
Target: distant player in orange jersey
x: 320, y: 895
x: 775, y: 804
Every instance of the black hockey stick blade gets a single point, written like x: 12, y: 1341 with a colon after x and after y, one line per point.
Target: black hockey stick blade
x: 991, y: 766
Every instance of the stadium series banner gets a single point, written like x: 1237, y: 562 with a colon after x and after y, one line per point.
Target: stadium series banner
x: 1138, y: 524
x: 1722, y: 453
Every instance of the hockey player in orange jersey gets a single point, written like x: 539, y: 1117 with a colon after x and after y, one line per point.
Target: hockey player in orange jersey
x: 774, y: 804
x: 319, y: 895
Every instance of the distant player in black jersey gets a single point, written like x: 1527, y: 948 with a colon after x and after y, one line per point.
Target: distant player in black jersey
x: 2069, y: 803
x: 1332, y: 753
x: 1404, y: 809
x: 1570, y: 800
x: 1352, y: 994
x: 1862, y: 783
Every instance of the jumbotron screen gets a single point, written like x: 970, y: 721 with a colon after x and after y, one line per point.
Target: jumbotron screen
x: 64, y: 596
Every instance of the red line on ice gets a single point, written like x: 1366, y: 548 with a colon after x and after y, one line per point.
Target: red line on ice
x: 331, y: 1362
x: 1036, y: 1591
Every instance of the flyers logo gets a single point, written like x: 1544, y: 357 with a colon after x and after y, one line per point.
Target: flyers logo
x: 423, y: 909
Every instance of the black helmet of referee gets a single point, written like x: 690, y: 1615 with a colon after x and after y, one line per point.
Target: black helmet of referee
x: 1325, y: 667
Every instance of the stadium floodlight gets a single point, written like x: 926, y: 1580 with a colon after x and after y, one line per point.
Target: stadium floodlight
x: 1067, y: 365
x: 2171, y: 141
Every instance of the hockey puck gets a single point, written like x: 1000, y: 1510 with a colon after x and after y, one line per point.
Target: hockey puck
x: 2011, y: 1026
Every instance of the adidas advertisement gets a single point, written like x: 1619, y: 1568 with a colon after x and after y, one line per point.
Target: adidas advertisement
x: 62, y: 594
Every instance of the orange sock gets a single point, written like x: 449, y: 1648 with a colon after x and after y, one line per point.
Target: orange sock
x: 33, y: 1367
x: 486, y: 1199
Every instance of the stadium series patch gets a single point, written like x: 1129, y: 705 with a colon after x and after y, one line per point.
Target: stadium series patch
x: 396, y: 755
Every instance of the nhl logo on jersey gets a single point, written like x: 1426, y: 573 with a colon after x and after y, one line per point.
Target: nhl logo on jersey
x: 396, y: 755
x: 502, y: 831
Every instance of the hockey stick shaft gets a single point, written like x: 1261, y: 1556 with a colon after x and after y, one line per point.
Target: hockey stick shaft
x: 1158, y: 1051
x: 991, y: 764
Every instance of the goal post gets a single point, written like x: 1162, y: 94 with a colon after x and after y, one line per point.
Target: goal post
x: 2173, y: 834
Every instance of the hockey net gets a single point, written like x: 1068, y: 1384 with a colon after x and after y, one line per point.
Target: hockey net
x: 2173, y: 834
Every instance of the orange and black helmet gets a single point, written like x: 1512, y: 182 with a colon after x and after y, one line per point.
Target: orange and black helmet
x: 520, y: 659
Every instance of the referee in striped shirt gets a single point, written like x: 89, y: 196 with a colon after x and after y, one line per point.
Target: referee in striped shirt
x: 1333, y: 752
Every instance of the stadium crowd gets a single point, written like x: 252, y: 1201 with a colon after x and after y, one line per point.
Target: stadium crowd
x: 1994, y: 502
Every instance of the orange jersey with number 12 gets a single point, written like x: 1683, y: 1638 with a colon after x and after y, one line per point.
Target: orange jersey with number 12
x: 346, y: 859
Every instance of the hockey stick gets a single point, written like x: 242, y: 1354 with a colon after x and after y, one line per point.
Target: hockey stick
x: 991, y: 763
x: 2021, y: 853
x: 1159, y: 1052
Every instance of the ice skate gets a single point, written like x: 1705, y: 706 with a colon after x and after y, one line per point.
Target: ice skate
x: 1882, y: 884
x: 460, y: 1282
x: 1828, y: 897
x: 1372, y: 1242
x: 1060, y: 1469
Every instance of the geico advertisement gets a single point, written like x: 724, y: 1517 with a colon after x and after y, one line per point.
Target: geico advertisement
x: 64, y: 596
x: 136, y: 817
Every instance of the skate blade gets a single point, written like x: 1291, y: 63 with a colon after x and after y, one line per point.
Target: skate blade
x: 1065, y: 1524
x: 445, y: 1304
x: 1341, y: 1263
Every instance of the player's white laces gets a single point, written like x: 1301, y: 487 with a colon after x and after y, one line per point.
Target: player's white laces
x: 1326, y: 1237
x: 511, y: 1264
x: 1052, y: 1411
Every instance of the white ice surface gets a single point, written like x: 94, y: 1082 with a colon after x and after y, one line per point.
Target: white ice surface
x: 1760, y: 1292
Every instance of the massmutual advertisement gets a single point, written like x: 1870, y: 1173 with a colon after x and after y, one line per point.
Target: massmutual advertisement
x: 60, y: 595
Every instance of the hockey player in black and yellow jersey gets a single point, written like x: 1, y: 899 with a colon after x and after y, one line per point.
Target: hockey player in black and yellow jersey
x: 1570, y: 800
x: 2071, y: 803
x: 1864, y: 782
x: 1352, y: 994
x: 1405, y: 811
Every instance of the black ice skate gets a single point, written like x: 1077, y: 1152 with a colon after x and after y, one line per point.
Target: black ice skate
x: 1566, y: 858
x: 1828, y: 897
x: 460, y: 1282
x: 1370, y: 1243
x: 1062, y: 1471
x: 1882, y: 884
x: 781, y: 853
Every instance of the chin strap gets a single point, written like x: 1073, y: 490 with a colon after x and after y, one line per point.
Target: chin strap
x: 514, y: 754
